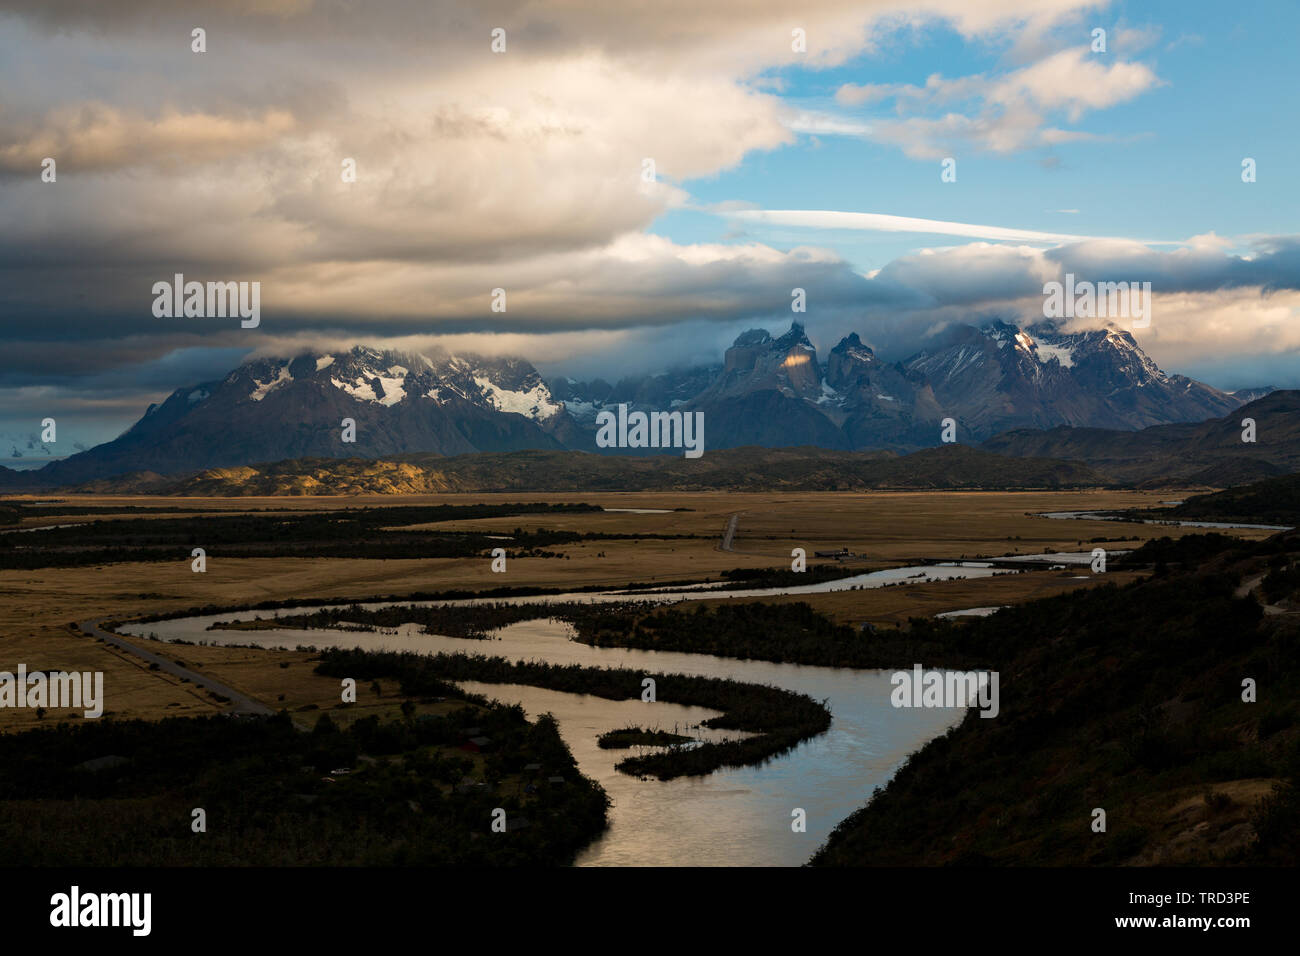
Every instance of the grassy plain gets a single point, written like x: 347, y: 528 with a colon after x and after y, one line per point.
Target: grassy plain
x: 885, y: 528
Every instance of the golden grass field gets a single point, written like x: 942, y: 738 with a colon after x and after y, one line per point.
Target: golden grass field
x: 889, y: 528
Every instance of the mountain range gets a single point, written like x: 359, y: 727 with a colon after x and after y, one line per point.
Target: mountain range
x: 768, y: 392
x: 1202, y: 454
x: 773, y: 392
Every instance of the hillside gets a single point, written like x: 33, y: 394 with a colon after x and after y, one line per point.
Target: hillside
x: 1207, y: 453
x: 1273, y: 501
x: 740, y: 469
x: 1127, y: 699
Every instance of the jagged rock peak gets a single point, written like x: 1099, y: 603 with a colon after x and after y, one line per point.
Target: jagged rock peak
x: 852, y: 345
x: 792, y: 339
x: 752, y: 338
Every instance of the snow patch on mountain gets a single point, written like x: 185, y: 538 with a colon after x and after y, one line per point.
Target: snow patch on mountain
x: 828, y: 395
x: 582, y: 411
x: 263, y: 389
x: 363, y: 390
x: 394, y: 387
x: 1062, y: 353
x: 535, y: 403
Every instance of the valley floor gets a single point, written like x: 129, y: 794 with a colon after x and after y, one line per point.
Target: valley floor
x: 883, y: 529
x: 650, y: 540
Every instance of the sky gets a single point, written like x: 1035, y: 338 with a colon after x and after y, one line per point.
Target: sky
x: 644, y: 181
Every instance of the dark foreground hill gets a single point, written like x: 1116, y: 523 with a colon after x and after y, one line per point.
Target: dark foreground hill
x: 740, y: 469
x: 1124, y: 699
x: 1273, y: 501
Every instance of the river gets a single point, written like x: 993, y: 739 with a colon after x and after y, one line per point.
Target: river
x: 732, y: 817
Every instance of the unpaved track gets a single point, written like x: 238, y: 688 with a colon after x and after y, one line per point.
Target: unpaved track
x: 1249, y: 586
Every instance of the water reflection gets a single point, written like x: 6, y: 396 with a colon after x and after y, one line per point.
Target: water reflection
x: 732, y: 817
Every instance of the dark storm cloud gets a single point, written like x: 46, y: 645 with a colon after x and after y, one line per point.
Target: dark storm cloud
x: 476, y: 171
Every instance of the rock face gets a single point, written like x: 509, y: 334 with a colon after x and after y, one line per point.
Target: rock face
x: 999, y: 377
x: 770, y: 392
x: 775, y: 392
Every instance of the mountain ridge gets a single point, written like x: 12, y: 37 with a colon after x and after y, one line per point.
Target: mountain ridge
x: 768, y: 391
x: 1187, y: 451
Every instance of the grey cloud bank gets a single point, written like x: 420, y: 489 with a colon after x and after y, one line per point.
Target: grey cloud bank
x: 172, y: 163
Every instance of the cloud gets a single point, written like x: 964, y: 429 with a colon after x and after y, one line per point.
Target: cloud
x: 825, y: 124
x: 1074, y: 81
x: 94, y: 137
x: 1001, y: 132
x: 476, y: 171
x: 1210, y: 308
x: 647, y: 304
x: 1125, y: 39
x: 881, y: 222
x: 1003, y: 113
